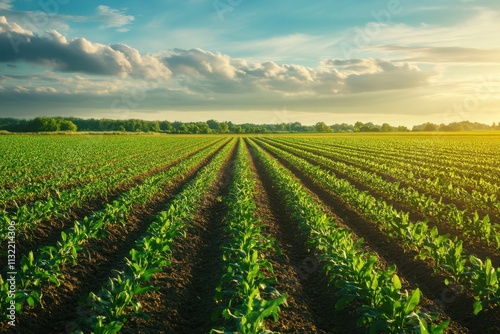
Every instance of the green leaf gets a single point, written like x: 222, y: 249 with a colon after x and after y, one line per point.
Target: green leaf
x: 440, y: 329
x: 55, y: 280
x: 413, y: 301
x: 477, y: 307
x: 144, y: 289
x: 422, y: 326
x: 31, y: 301
x: 396, y: 282
x: 344, y: 301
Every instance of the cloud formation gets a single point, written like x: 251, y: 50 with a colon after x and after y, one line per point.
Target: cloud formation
x: 114, y: 18
x: 5, y: 4
x: 46, y: 16
x: 53, y: 50
x: 434, y: 54
x: 367, y: 75
x: 201, y: 70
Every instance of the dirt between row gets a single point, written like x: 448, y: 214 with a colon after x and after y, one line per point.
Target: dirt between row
x: 49, y: 231
x: 310, y: 302
x: 461, y: 205
x: 184, y: 302
x: 477, y: 247
x: 450, y: 301
x: 101, y: 257
x: 72, y: 184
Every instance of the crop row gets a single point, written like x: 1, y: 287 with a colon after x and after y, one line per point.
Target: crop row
x: 446, y: 252
x: 469, y: 224
x: 48, y: 263
x: 430, y: 152
x: 356, y: 274
x: 60, y: 205
x: 35, y: 159
x: 433, y: 181
x: 461, y: 172
x: 81, y: 176
x: 116, y: 300
x: 245, y: 293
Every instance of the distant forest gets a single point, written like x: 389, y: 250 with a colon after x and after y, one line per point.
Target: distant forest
x: 53, y: 124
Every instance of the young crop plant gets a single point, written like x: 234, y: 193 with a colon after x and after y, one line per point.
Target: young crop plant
x: 382, y: 305
x: 440, y: 179
x: 116, y: 301
x: 467, y: 223
x: 446, y: 252
x: 61, y: 203
x: 245, y: 293
x: 47, y: 265
x: 485, y: 281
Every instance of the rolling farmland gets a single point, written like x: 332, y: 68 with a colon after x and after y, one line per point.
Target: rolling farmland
x: 293, y: 234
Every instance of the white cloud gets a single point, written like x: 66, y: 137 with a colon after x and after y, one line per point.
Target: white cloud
x: 7, y: 27
x: 142, y: 66
x: 5, y: 4
x: 202, y: 71
x: 46, y: 90
x: 365, y: 75
x: 56, y: 36
x: 477, y: 32
x: 195, y: 79
x: 114, y: 18
x: 40, y: 20
x: 439, y: 54
x: 199, y: 63
x: 53, y: 50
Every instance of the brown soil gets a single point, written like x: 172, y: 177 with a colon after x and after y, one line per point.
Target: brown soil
x: 184, y: 302
x: 461, y: 205
x: 49, y: 231
x: 61, y: 304
x: 457, y: 305
x: 310, y: 302
x: 477, y: 247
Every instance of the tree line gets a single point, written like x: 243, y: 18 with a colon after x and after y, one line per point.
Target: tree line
x: 71, y: 124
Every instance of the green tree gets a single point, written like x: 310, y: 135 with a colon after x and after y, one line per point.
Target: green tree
x: 296, y: 126
x: 430, y: 127
x: 154, y: 126
x: 223, y: 127
x: 213, y: 125
x: 65, y: 125
x: 203, y: 127
x: 166, y: 126
x: 44, y: 124
x: 322, y: 127
x: 358, y: 125
x: 386, y: 127
x: 183, y: 128
x: 403, y: 128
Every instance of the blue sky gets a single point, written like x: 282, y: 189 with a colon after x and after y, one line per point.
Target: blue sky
x: 397, y: 61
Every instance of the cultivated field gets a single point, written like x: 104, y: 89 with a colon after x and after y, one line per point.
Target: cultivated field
x: 295, y: 234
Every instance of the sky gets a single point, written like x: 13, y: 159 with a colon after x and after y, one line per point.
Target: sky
x: 403, y: 62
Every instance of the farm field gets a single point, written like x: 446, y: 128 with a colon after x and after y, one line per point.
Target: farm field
x: 341, y: 233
